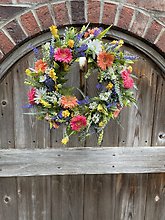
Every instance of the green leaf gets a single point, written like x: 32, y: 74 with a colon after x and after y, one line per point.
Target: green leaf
x: 103, y: 33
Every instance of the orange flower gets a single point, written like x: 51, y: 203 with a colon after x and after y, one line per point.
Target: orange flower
x: 105, y: 60
x: 40, y: 66
x: 68, y: 101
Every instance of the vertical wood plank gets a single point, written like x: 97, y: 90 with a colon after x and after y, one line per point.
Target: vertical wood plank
x: 67, y: 196
x: 137, y: 123
x: 99, y: 199
x: 28, y: 130
x: 34, y: 198
x: 155, y: 202
x: 158, y: 132
x: 130, y: 196
x: 8, y: 199
x: 6, y: 112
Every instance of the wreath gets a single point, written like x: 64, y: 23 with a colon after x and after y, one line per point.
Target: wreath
x: 56, y: 103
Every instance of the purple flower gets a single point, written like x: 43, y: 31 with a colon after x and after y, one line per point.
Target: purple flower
x: 28, y: 106
x: 35, y: 51
x: 84, y: 101
x: 131, y: 57
x: 60, y: 115
x: 50, y: 84
x: 99, y: 86
x: 81, y: 50
x: 79, y: 36
x: 111, y: 104
x: 51, y: 52
x: 97, y: 31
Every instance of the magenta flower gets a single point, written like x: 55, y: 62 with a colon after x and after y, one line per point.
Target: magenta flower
x: 125, y: 74
x: 78, y: 122
x: 31, y: 96
x: 128, y: 83
x: 63, y: 55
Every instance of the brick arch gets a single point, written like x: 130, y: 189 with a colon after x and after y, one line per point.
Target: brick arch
x: 27, y: 18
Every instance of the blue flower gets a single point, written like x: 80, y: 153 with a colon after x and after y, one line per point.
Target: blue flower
x: 28, y: 106
x: 50, y: 84
x: 100, y: 86
x: 51, y: 52
x: 35, y: 51
x: 60, y: 115
x: 79, y: 36
x: 97, y: 31
x: 84, y: 101
x: 81, y: 50
x: 111, y: 104
x: 131, y: 57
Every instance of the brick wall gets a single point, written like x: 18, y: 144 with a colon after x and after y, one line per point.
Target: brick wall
x: 20, y: 19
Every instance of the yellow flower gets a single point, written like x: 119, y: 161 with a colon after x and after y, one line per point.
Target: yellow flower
x: 109, y: 86
x: 71, y: 43
x: 130, y: 69
x: 101, y: 124
x: 114, y: 42
x: 52, y: 74
x: 121, y: 42
x: 100, y: 108
x: 28, y: 72
x: 54, y: 31
x: 65, y: 113
x: 45, y: 103
x: 65, y: 140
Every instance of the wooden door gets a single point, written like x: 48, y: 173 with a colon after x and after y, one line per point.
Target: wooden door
x: 84, y: 197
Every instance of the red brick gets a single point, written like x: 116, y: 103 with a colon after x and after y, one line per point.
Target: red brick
x: 109, y: 13
x: 5, y: 1
x: 15, y: 31
x: 61, y: 14
x: 153, y: 31
x: 6, y: 45
x: 78, y: 12
x: 32, y: 1
x: 93, y: 11
x: 139, y: 24
x: 125, y: 18
x: 8, y: 12
x: 156, y: 5
x: 161, y: 43
x: 44, y: 17
x: 29, y: 23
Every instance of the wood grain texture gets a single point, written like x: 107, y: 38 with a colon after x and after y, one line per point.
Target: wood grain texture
x: 8, y: 199
x: 34, y: 198
x: 99, y: 198
x: 67, y: 197
x: 155, y: 201
x: 158, y: 131
x: 6, y: 113
x: 84, y: 161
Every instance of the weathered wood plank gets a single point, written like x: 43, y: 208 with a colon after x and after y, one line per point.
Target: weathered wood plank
x: 82, y: 161
x: 8, y: 199
x: 158, y: 131
x: 6, y: 110
x: 67, y: 197
x: 34, y: 198
x: 155, y: 201
x: 99, y: 197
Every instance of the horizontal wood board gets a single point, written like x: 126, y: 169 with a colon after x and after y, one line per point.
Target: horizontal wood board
x: 108, y: 160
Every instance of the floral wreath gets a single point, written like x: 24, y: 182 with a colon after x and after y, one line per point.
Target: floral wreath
x: 57, y: 103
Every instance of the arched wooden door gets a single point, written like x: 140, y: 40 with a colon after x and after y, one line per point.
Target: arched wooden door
x: 84, y: 197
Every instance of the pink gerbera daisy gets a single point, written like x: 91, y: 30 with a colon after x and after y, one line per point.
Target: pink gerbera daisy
x: 78, y: 122
x: 31, y: 96
x: 63, y: 55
